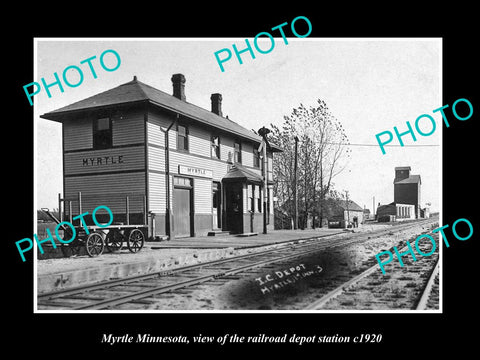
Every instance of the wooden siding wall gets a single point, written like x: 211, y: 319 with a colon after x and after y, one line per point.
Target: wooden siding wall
x: 226, y: 147
x: 128, y: 129
x: 247, y: 154
x: 202, y: 196
x: 199, y: 156
x: 157, y: 193
x: 199, y: 141
x: 110, y: 190
x: 77, y: 134
x: 106, y: 176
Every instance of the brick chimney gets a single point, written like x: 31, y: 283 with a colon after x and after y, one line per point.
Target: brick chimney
x: 178, y: 82
x: 216, y: 104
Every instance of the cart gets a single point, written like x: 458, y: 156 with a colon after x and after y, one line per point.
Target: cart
x: 96, y: 238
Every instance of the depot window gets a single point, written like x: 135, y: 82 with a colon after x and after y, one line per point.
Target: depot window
x: 237, y: 152
x: 215, y: 141
x: 182, y: 138
x: 102, y: 133
x: 256, y: 158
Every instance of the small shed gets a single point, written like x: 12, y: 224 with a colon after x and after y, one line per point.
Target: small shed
x: 345, y: 214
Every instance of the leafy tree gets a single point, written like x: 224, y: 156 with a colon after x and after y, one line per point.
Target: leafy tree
x: 322, y: 154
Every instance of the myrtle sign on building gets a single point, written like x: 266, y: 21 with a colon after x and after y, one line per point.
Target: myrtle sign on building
x: 189, y: 170
x: 103, y: 160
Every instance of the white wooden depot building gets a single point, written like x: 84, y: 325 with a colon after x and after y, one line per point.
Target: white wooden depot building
x: 205, y: 175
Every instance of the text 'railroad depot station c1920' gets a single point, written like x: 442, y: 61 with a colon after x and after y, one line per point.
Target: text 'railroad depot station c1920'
x: 186, y: 171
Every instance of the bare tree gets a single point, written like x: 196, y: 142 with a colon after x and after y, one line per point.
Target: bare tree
x: 322, y: 154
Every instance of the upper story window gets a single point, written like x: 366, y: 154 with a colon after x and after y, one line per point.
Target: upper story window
x: 215, y: 147
x: 182, y: 137
x: 256, y: 157
x: 102, y: 133
x: 237, y: 156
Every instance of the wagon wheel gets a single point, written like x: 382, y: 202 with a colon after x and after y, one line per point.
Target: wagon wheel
x: 114, y: 240
x: 94, y: 244
x: 135, y: 240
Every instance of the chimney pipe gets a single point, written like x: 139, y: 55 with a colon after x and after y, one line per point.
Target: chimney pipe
x: 178, y: 82
x: 216, y: 104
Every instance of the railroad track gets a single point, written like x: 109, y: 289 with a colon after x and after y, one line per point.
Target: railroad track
x: 143, y: 289
x: 409, y: 287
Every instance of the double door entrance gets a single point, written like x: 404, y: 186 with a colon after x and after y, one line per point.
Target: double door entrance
x: 183, y: 207
x: 227, y: 210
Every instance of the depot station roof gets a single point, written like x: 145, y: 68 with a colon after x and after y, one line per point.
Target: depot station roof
x: 136, y: 91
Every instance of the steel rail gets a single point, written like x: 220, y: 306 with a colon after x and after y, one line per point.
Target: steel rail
x: 318, y: 304
x: 115, y: 282
x: 340, y: 289
x: 204, y: 278
x: 422, y: 302
x: 289, y: 246
x: 198, y: 280
x: 129, y: 279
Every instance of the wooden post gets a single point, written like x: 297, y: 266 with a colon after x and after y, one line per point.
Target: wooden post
x: 127, y: 206
x: 295, y: 193
x: 79, y: 202
x: 60, y: 212
x: 263, y: 133
x: 145, y: 215
x: 265, y: 190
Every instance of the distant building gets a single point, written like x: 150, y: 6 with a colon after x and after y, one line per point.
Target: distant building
x: 407, y: 188
x: 343, y: 213
x: 366, y: 214
x: 406, y: 195
x: 425, y: 212
x: 395, y: 212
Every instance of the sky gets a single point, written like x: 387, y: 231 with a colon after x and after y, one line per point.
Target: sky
x: 369, y: 84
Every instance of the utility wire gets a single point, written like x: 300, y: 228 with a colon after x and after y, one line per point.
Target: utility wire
x: 425, y: 145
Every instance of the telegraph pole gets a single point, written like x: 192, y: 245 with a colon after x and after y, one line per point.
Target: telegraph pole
x: 295, y: 195
x: 263, y: 133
